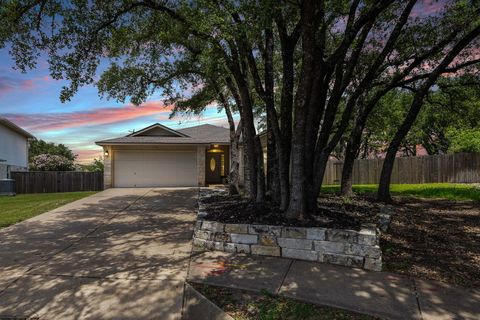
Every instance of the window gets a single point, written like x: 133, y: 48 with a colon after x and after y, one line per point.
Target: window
x: 213, y: 164
x: 222, y: 165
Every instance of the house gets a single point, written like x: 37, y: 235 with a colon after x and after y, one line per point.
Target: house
x: 158, y: 156
x: 13, y: 148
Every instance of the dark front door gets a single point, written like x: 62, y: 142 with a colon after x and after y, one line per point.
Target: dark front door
x: 213, y: 168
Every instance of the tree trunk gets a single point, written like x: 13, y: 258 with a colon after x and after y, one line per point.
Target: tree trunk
x: 234, y: 175
x: 260, y: 196
x: 347, y: 172
x: 351, y: 152
x: 297, y: 208
x: 273, y: 174
x: 248, y: 129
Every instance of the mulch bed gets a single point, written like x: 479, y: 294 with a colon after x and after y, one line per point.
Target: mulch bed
x: 427, y: 238
x: 435, y: 239
x: 245, y: 305
x: 332, y: 212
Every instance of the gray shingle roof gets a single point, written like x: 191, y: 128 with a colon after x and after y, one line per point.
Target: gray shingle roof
x: 203, y: 134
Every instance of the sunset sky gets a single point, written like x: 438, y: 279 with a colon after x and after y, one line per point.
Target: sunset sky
x: 31, y: 100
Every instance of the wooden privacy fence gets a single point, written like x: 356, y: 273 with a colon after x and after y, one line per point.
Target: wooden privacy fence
x: 456, y: 168
x: 57, y: 181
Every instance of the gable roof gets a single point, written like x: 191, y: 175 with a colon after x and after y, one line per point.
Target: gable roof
x: 12, y: 126
x: 154, y: 126
x: 203, y: 134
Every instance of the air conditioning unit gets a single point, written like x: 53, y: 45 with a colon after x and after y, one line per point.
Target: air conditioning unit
x: 7, y: 187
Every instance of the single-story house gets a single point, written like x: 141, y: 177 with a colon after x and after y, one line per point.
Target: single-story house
x: 158, y: 156
x: 13, y: 148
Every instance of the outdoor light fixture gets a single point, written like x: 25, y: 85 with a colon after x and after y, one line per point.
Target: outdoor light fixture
x: 106, y: 153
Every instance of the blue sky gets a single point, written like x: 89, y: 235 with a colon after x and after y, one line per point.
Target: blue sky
x: 31, y: 100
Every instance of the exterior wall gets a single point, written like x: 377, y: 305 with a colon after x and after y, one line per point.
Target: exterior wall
x: 5, y: 170
x: 13, y: 148
x: 201, y: 165
x: 108, y: 168
x: 159, y: 132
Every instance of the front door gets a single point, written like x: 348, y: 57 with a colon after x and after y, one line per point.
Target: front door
x: 213, y: 166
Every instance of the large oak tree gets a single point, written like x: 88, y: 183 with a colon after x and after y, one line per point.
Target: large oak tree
x: 314, y: 68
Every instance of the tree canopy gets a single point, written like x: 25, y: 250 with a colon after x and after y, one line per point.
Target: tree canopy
x: 38, y: 147
x: 315, y: 70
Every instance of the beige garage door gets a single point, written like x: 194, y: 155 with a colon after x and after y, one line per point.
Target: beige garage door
x: 148, y: 168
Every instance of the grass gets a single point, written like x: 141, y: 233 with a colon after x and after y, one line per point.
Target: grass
x: 448, y: 191
x: 25, y: 206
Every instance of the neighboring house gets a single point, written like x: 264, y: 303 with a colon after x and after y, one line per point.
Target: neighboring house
x: 158, y: 156
x: 13, y: 148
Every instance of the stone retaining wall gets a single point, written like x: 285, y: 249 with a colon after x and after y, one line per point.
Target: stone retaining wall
x: 350, y: 248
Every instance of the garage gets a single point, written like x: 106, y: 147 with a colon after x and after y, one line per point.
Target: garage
x: 158, y: 156
x: 154, y: 168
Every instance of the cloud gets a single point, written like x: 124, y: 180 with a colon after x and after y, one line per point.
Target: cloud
x: 8, y: 84
x: 87, y: 155
x: 41, y: 122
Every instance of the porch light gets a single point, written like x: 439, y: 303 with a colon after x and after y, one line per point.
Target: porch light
x: 106, y: 153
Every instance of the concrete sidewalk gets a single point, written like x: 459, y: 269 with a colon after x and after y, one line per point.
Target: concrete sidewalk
x: 382, y: 294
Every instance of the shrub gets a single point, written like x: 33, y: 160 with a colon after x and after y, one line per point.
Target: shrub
x: 49, y: 162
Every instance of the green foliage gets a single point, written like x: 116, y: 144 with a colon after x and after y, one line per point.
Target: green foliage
x: 464, y: 140
x: 450, y: 115
x: 96, y: 166
x: 38, y: 147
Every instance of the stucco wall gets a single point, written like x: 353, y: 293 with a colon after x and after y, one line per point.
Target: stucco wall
x: 13, y: 148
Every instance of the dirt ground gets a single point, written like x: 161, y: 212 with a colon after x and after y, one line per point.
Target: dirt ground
x: 245, y: 305
x: 435, y: 239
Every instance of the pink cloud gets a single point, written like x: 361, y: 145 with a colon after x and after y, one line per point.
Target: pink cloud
x: 8, y: 84
x: 55, y: 121
x: 28, y: 85
x: 87, y: 156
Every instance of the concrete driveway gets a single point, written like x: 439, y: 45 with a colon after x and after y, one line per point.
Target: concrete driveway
x: 119, y: 254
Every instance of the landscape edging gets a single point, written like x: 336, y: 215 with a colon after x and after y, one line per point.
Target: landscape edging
x: 350, y: 248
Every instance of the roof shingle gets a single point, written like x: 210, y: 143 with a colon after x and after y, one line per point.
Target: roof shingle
x: 203, y: 134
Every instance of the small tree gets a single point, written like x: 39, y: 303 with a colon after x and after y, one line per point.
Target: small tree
x: 95, y: 166
x: 48, y: 162
x: 38, y: 147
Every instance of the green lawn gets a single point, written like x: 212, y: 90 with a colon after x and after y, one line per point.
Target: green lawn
x: 24, y: 206
x: 449, y: 191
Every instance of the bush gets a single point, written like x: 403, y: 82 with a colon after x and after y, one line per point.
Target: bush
x: 49, y: 162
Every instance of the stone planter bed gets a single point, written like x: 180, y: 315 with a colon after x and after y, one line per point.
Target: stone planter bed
x: 351, y: 248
